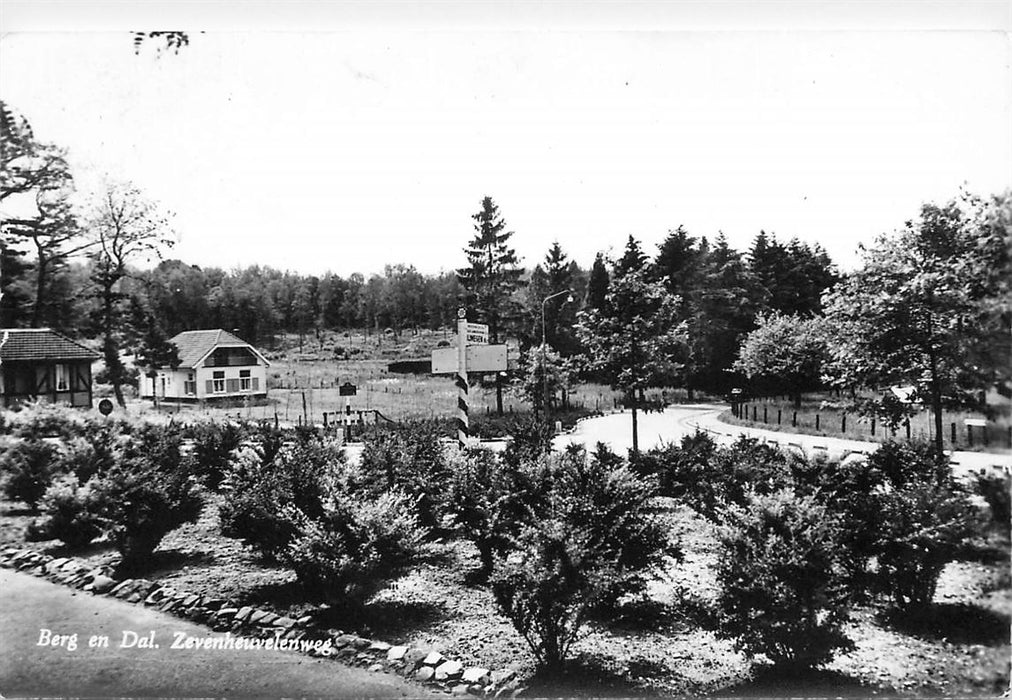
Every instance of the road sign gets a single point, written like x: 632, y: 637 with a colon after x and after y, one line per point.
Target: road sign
x: 477, y: 334
x: 480, y: 358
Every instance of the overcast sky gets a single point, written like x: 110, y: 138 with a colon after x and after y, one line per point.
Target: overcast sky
x: 348, y: 150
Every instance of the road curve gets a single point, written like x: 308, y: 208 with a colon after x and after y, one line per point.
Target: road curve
x: 674, y: 422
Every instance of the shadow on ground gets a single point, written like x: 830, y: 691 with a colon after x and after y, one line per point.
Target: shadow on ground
x: 769, y: 682
x: 586, y: 676
x: 957, y: 623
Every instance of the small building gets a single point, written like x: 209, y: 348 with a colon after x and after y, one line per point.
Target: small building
x: 40, y: 364
x: 214, y: 364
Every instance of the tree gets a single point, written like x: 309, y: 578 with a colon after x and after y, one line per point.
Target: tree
x: 545, y: 375
x: 492, y: 276
x: 632, y: 341
x: 35, y: 187
x: 154, y: 351
x: 560, y: 315
x: 785, y: 353
x: 928, y: 308
x: 126, y: 227
x: 597, y: 284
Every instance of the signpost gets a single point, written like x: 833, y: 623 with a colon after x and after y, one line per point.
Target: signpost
x: 472, y: 354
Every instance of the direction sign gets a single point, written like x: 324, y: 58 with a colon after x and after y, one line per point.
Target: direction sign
x: 480, y: 358
x: 476, y: 334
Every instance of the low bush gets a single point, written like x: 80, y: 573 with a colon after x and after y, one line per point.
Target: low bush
x: 685, y: 472
x: 410, y: 458
x: 269, y: 491
x: 356, y: 547
x: 42, y: 419
x: 150, y: 491
x: 782, y: 591
x: 996, y: 489
x: 213, y: 443
x: 27, y: 467
x: 589, y: 540
x: 923, y: 526
x: 73, y: 513
x: 85, y: 457
x: 480, y: 492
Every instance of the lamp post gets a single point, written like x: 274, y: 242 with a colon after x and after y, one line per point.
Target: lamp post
x: 544, y: 343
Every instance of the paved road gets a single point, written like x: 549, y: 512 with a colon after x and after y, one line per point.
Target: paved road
x: 675, y: 421
x: 29, y: 605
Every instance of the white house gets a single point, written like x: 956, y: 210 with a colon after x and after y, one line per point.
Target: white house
x: 214, y: 364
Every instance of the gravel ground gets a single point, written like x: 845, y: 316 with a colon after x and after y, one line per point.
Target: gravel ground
x: 659, y: 646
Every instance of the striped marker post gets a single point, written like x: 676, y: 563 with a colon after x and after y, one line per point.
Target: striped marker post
x: 463, y: 426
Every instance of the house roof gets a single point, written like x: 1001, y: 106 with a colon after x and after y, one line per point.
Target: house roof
x: 26, y: 344
x: 194, y: 346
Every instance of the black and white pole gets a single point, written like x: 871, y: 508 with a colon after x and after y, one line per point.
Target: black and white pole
x: 461, y: 380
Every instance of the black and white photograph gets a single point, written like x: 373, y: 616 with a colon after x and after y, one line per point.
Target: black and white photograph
x: 505, y: 349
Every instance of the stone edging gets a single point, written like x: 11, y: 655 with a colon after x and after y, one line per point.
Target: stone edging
x: 429, y: 667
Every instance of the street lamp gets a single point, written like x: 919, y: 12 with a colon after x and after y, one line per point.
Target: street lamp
x: 544, y: 343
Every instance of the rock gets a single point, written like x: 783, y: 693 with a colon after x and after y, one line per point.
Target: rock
x: 459, y: 689
x: 475, y: 675
x: 214, y: 603
x: 267, y: 619
x: 190, y: 601
x: 243, y: 614
x: 225, y: 614
x: 504, y: 675
x: 434, y: 658
x: 284, y: 622
x: 413, y: 658
x: 376, y: 667
x: 102, y: 584
x: 343, y: 640
x: 360, y: 643
x: 425, y: 673
x: 257, y: 616
x: 396, y: 653
x: 133, y: 598
x: 304, y: 620
x: 379, y: 646
x: 449, y: 670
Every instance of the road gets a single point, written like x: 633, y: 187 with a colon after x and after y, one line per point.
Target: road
x: 675, y: 421
x: 29, y: 605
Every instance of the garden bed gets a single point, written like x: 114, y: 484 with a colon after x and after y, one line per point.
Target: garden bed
x: 659, y: 645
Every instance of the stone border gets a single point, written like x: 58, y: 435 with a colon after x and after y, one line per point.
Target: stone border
x: 429, y: 667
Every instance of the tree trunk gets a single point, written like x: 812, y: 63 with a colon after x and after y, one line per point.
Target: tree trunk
x: 635, y: 425
x: 936, y: 391
x: 498, y: 394
x: 40, y: 290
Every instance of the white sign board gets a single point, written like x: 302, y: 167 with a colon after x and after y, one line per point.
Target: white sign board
x: 476, y: 334
x: 480, y: 358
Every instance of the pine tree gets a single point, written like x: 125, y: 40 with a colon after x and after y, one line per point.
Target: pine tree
x: 597, y: 284
x: 492, y: 277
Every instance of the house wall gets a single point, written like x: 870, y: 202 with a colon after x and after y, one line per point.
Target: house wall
x: 53, y: 381
x: 172, y: 384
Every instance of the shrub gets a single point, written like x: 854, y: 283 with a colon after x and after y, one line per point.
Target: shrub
x: 267, y: 491
x: 479, y: 489
x: 904, y: 462
x: 410, y: 458
x: 923, y: 526
x: 28, y: 467
x: 530, y: 439
x: 782, y: 593
x: 685, y: 472
x: 149, y: 492
x: 996, y: 489
x: 41, y: 419
x: 589, y: 540
x: 91, y: 456
x: 356, y: 546
x: 213, y: 443
x: 72, y: 513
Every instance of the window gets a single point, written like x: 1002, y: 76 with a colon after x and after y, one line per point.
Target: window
x: 245, y: 383
x: 219, y: 382
x: 63, y: 377
x: 190, y: 385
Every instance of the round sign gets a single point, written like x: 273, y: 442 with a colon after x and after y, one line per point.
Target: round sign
x: 105, y: 407
x: 462, y: 312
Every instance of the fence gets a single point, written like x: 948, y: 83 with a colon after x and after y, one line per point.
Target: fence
x: 961, y: 433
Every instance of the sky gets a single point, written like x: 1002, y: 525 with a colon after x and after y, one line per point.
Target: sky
x: 366, y: 143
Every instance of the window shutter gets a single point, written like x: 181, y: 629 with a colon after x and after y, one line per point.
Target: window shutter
x: 256, y: 383
x: 232, y: 385
x: 209, y: 386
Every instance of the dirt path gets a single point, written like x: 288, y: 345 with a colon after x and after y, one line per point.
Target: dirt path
x: 29, y: 605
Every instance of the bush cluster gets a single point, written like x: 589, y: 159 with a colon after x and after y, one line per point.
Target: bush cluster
x: 342, y: 530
